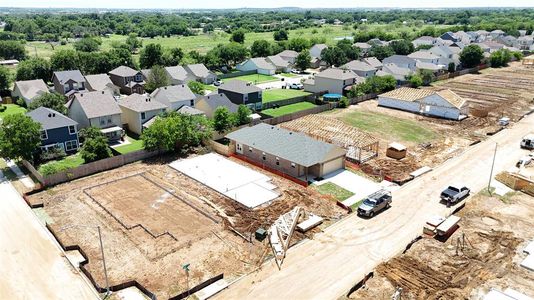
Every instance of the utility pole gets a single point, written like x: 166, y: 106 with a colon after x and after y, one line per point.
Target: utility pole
x: 492, y: 165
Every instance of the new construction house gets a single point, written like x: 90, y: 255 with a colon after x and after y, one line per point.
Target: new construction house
x: 291, y: 153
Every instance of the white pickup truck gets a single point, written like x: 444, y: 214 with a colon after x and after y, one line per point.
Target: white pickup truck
x: 454, y: 193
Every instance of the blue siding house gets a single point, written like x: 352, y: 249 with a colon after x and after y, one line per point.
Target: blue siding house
x: 57, y: 130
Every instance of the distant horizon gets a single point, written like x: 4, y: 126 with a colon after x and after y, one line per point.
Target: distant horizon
x: 273, y: 4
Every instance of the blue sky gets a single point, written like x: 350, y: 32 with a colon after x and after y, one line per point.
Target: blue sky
x: 264, y: 3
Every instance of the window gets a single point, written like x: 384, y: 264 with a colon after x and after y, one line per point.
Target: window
x: 44, y: 135
x: 249, y: 149
x: 66, y: 87
x: 143, y: 116
x: 75, y: 86
x: 293, y: 165
x: 71, y: 145
x: 191, y: 103
x: 138, y: 78
x: 263, y: 154
x: 72, y: 129
x: 102, y: 121
x: 277, y: 161
x: 110, y: 120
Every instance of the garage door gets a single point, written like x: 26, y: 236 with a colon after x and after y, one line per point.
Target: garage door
x: 332, y: 166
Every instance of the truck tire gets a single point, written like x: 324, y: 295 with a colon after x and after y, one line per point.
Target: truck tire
x: 371, y: 214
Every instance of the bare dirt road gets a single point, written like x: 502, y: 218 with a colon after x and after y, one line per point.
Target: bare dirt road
x: 33, y: 266
x: 328, y: 266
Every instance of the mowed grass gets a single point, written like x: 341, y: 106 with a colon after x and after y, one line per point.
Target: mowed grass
x: 334, y: 190
x: 388, y: 126
x: 56, y: 166
x: 288, y: 109
x: 254, y: 78
x: 12, y: 109
x: 134, y: 145
x: 282, y: 94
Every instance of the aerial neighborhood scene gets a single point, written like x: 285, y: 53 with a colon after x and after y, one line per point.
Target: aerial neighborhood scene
x: 275, y: 150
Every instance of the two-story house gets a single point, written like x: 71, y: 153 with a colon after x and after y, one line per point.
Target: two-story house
x: 332, y: 80
x: 360, y: 68
x: 240, y: 92
x: 69, y: 82
x: 28, y: 90
x: 174, y: 97
x: 97, y: 109
x: 57, y: 130
x: 138, y: 109
x: 128, y: 80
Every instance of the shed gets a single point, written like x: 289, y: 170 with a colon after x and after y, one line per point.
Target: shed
x: 396, y: 151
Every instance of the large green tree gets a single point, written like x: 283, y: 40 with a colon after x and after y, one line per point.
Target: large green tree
x: 20, y: 137
x: 95, y: 146
x: 471, y: 56
x: 53, y: 101
x: 12, y: 50
x: 500, y: 58
x: 222, y: 119
x: 5, y: 78
x: 402, y: 47
x: 238, y: 36
x: 303, y: 60
x: 34, y: 68
x: 334, y: 56
x: 298, y: 44
x: 280, y: 35
x: 133, y: 42
x: 380, y: 52
x: 347, y: 47
x: 242, y: 116
x: 88, y: 44
x: 64, y: 60
x: 157, y: 78
x: 151, y: 55
x: 260, y: 48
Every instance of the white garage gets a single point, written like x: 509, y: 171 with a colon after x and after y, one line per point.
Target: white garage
x: 258, y: 64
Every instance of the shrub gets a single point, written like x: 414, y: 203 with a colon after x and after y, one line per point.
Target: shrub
x: 3, y: 108
x: 343, y: 103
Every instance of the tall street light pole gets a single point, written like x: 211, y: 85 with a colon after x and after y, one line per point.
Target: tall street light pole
x: 101, y: 250
x: 492, y: 165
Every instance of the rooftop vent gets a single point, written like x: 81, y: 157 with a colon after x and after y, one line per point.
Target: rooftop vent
x: 102, y: 92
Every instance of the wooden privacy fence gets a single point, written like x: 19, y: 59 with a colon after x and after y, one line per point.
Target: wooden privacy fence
x: 90, y: 168
x: 299, y: 114
x: 235, y: 74
x: 461, y: 72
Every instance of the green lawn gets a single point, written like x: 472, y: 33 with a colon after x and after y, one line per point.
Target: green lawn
x: 254, y: 78
x: 209, y: 87
x: 134, y: 145
x: 281, y: 94
x: 287, y: 109
x: 11, y: 110
x: 290, y: 75
x: 389, y: 127
x: 68, y: 162
x: 334, y: 190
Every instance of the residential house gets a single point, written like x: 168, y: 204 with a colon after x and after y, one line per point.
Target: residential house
x: 57, y: 130
x: 484, y: 47
x: 201, y: 73
x: 493, y: 46
x: 507, y: 40
x: 449, y: 36
x: 435, y: 68
x: 137, y: 109
x: 68, y: 82
x: 399, y: 73
x: 174, y: 97
x: 424, y: 41
x: 524, y: 42
x: 446, y: 55
x: 317, y: 49
x: 240, y: 92
x: 128, y: 80
x: 191, y: 111
x: 360, y: 68
x: 97, y: 109
x: 441, y: 42
x: 178, y: 75
x: 443, y: 104
x: 424, y: 56
x: 292, y: 153
x: 332, y: 80
x: 496, y: 33
x: 279, y: 63
x: 377, y: 42
x: 289, y: 55
x: 258, y: 64
x: 373, y: 62
x: 101, y: 82
x: 28, y: 90
x: 208, y: 104
x: 464, y: 37
x: 402, y: 61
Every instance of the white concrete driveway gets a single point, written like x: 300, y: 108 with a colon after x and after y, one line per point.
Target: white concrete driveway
x: 360, y: 186
x: 278, y: 84
x: 335, y: 260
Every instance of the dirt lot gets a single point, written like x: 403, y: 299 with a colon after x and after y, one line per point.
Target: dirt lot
x: 155, y: 219
x: 496, y: 231
x: 431, y: 141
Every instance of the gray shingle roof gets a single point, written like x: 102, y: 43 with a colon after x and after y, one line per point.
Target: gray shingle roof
x: 99, y: 82
x: 239, y: 86
x: 50, y: 119
x: 215, y: 100
x: 32, y: 88
x: 358, y: 65
x: 373, y: 62
x: 293, y: 146
x: 65, y: 76
x: 188, y: 110
x: 262, y: 63
x: 199, y: 70
x: 421, y: 54
x: 97, y: 104
x: 334, y: 73
x: 289, y: 53
x: 398, y: 59
x: 177, y: 73
x: 170, y: 94
x: 278, y: 61
x: 141, y: 103
x: 124, y: 71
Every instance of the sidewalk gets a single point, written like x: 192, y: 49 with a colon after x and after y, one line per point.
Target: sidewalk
x: 27, y: 181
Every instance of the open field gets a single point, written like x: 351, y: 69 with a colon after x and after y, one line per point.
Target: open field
x: 496, y: 233
x: 154, y: 219
x: 11, y: 110
x: 254, y: 78
x: 288, y: 109
x: 271, y: 95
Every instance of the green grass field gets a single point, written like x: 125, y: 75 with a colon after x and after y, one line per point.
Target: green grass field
x: 254, y: 78
x: 68, y: 162
x: 334, y: 190
x: 11, y: 110
x: 134, y: 145
x: 389, y: 126
x: 289, y: 75
x: 281, y: 94
x: 287, y: 109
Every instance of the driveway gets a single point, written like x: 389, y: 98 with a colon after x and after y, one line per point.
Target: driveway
x: 33, y: 265
x: 278, y: 84
x: 360, y: 186
x: 328, y: 266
